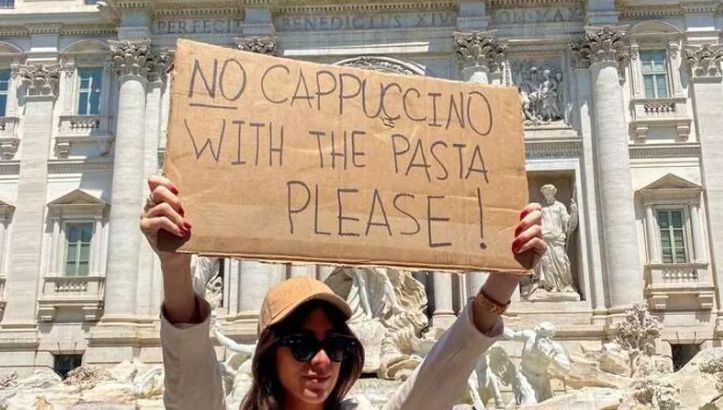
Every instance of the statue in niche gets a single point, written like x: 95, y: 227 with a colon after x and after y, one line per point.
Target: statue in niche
x: 553, y: 275
x: 542, y: 94
x: 542, y: 358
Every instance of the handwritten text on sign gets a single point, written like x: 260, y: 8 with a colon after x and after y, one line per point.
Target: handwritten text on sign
x: 286, y: 160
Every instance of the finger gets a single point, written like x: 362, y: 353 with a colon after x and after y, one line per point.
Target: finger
x: 534, y: 206
x: 536, y: 245
x: 157, y: 180
x: 153, y: 225
x: 532, y: 218
x: 165, y: 209
x: 162, y: 194
x: 535, y: 231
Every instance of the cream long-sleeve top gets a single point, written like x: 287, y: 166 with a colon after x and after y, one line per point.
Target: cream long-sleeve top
x: 193, y: 376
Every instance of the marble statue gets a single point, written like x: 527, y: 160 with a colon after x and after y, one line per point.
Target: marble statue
x: 236, y: 369
x: 542, y: 358
x: 542, y: 93
x: 207, y: 279
x: 553, y: 273
x: 388, y: 315
x: 484, y: 384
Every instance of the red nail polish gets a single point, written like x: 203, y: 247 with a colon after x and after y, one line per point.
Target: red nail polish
x: 182, y: 233
x: 516, y: 245
x: 181, y: 211
x: 187, y: 225
x: 524, y: 213
x: 174, y: 190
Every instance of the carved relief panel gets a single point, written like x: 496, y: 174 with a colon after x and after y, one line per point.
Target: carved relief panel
x: 544, y: 90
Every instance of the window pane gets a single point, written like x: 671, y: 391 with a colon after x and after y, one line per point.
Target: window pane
x: 667, y: 255
x: 662, y: 86
x: 663, y: 219
x: 677, y: 218
x: 89, y: 88
x: 4, y: 86
x: 82, y: 269
x: 649, y: 82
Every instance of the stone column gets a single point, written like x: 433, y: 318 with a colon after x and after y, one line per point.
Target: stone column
x: 651, y: 233
x: 443, y: 314
x: 606, y: 50
x: 697, y: 231
x: 41, y: 86
x: 704, y: 62
x: 133, y: 63
x: 479, y: 56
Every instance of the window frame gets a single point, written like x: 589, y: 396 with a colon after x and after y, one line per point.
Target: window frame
x: 687, y: 233
x: 64, y: 230
x: 6, y: 93
x: 78, y: 90
x: 665, y: 72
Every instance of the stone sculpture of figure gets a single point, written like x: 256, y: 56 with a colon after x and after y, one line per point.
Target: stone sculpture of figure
x: 542, y: 358
x: 549, y: 108
x: 506, y: 372
x: 388, y: 315
x: 207, y: 280
x: 236, y: 369
x: 483, y: 380
x: 553, y: 273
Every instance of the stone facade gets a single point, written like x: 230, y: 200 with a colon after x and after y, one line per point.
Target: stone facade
x: 628, y: 145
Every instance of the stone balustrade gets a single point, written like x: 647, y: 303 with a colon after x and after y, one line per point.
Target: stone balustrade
x: 74, y: 294
x: 9, y: 140
x: 680, y: 286
x: 648, y: 113
x: 83, y: 129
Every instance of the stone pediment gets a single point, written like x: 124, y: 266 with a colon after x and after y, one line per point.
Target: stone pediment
x: 670, y: 186
x: 78, y: 202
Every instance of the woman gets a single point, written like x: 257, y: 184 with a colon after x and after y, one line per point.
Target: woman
x: 306, y: 356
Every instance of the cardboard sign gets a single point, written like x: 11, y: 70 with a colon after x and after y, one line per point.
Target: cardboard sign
x: 284, y: 160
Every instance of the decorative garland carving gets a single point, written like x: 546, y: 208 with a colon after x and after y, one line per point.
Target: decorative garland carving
x: 704, y: 60
x: 602, y: 45
x: 39, y: 79
x: 138, y: 58
x: 479, y: 48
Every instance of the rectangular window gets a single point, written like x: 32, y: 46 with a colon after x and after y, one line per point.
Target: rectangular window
x: 89, y: 90
x: 78, y: 236
x: 91, y: 2
x: 4, y: 87
x: 673, y: 245
x: 7, y: 4
x: 655, y: 73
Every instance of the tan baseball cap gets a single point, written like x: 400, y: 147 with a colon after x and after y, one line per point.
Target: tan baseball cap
x: 284, y: 297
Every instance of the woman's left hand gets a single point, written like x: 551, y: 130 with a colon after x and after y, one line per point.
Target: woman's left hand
x: 527, y: 245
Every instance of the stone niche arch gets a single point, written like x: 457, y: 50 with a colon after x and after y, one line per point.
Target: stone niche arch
x: 654, y: 27
x: 10, y: 50
x: 383, y: 64
x: 86, y: 46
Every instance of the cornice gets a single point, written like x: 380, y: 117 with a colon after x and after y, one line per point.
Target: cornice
x: 665, y: 151
x: 74, y: 167
x: 39, y: 28
x: 10, y: 167
x: 331, y: 6
x: 531, y: 3
x: 89, y: 30
x: 648, y: 13
x: 164, y: 9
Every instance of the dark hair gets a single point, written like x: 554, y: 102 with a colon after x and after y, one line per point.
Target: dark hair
x: 266, y: 392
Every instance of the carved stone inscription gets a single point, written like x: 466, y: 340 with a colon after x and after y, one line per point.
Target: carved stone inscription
x: 364, y: 21
x: 537, y: 15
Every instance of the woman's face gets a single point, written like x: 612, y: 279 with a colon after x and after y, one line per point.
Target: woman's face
x: 313, y: 381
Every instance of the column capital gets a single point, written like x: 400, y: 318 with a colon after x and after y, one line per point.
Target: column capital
x: 40, y: 80
x: 138, y: 58
x: 602, y: 44
x: 704, y: 61
x: 258, y: 44
x: 479, y: 49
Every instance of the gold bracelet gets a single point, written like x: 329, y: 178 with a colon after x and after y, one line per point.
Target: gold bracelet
x: 490, y: 304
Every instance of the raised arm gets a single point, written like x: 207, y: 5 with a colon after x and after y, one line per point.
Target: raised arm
x: 441, y: 379
x: 192, y: 375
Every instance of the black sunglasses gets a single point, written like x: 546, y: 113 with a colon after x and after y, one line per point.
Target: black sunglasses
x: 305, y: 346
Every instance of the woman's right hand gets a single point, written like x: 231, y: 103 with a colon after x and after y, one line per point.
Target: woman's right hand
x: 163, y: 210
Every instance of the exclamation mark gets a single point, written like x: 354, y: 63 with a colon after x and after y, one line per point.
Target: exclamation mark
x: 482, y: 244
